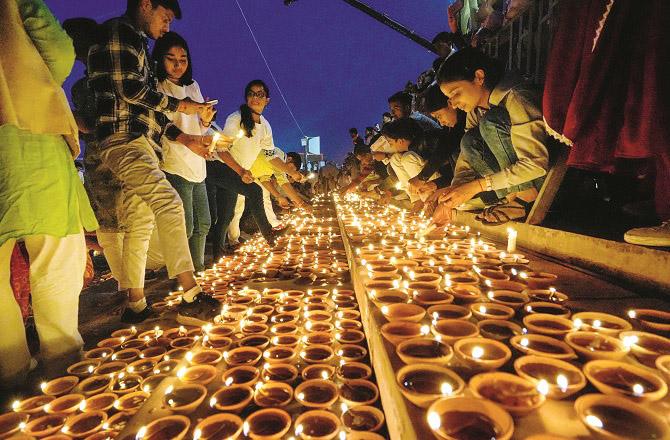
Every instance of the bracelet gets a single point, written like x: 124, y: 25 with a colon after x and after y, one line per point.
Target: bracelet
x: 205, y: 124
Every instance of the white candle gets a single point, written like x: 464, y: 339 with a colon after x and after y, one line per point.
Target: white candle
x: 511, y: 240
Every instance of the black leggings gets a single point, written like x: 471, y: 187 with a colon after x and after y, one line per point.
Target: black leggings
x: 229, y: 185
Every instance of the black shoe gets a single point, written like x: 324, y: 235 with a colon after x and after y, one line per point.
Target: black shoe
x: 150, y: 275
x: 200, y: 312
x: 130, y: 317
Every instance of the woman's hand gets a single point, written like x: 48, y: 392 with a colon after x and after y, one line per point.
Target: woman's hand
x: 451, y: 197
x: 197, y: 144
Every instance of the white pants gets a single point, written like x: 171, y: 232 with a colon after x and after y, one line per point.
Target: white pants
x: 407, y: 166
x: 56, y: 277
x: 234, y: 227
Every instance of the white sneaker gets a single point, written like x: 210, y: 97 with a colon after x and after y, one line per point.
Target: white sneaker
x: 653, y: 236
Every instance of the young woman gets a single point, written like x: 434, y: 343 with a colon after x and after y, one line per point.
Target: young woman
x: 231, y: 175
x: 504, y: 147
x: 184, y: 169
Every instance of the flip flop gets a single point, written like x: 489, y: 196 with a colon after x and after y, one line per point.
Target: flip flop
x: 515, y: 210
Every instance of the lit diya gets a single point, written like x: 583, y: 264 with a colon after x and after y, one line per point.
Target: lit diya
x: 646, y: 347
x: 100, y: 402
x: 448, y: 311
x: 45, y: 425
x: 451, y: 330
x: 218, y: 426
x: 549, y: 325
x: 85, y: 368
x: 317, y: 425
x: 66, y: 404
x: 85, y: 424
x: 31, y: 405
x: 491, y: 311
x: 601, y: 323
x: 482, y: 353
x: 232, y: 398
x: 548, y: 308
x: 464, y: 294
x: 362, y: 418
x: 200, y: 374
x: 358, y: 392
x: 555, y: 378
x: 184, y: 399
x: 267, y: 424
x: 651, y: 319
x: 316, y: 393
x: 11, y: 423
x: 131, y: 403
x: 546, y: 295
x: 316, y: 353
x: 616, y: 417
x: 466, y: 418
x: 425, y: 350
x: 286, y: 373
x: 349, y: 352
x: 318, y: 371
x: 516, y: 395
x: 508, y: 298
x: 592, y: 346
x: 170, y: 427
x: 281, y: 355
x: 272, y: 394
x: 663, y: 365
x: 542, y: 346
x: 95, y: 385
x: 388, y: 296
x: 242, y: 356
x: 403, y: 312
x: 59, y: 386
x: 626, y: 380
x: 423, y: 384
x: 498, y: 329
x: 242, y: 375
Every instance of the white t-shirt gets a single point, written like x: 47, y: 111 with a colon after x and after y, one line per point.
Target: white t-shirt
x: 245, y: 149
x: 177, y: 158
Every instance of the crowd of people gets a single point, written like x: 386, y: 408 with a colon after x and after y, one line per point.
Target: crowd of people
x: 157, y: 178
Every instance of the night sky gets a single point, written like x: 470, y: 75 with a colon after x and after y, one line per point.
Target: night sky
x: 336, y: 65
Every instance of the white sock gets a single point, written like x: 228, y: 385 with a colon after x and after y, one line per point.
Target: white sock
x: 190, y: 294
x: 138, y: 306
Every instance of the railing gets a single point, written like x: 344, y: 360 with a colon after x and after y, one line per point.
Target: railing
x: 523, y: 44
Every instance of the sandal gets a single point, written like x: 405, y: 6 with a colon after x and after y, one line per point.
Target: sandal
x: 515, y: 210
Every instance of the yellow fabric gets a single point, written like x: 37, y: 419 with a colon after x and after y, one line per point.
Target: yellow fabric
x: 36, y: 56
x: 263, y: 170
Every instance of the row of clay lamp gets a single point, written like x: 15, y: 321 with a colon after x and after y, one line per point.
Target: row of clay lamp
x: 273, y: 364
x: 457, y: 310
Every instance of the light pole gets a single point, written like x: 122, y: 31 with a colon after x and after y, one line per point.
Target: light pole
x: 305, y: 143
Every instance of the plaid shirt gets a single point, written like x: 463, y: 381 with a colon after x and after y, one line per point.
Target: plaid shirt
x: 125, y: 87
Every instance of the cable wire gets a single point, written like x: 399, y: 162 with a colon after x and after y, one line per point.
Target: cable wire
x: 288, y: 107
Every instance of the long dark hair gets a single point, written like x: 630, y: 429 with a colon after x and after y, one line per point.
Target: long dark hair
x: 247, y: 121
x: 161, y: 48
x: 462, y: 65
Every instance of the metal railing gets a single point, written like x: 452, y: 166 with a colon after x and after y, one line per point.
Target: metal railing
x: 523, y: 44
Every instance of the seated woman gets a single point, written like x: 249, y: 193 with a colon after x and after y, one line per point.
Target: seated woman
x: 503, y: 156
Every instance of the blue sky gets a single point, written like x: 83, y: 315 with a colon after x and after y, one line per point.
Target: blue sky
x: 335, y: 64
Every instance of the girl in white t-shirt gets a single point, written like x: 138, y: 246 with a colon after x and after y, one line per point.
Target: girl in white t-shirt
x: 184, y: 169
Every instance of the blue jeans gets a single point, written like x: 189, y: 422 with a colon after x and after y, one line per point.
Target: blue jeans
x: 196, y: 209
x: 488, y: 149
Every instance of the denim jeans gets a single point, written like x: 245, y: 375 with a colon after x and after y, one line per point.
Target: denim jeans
x: 228, y: 186
x: 196, y: 211
x: 488, y: 149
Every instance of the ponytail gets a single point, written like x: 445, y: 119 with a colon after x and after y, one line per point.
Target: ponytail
x: 247, y: 123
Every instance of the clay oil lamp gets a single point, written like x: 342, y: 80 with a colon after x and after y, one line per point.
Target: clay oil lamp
x: 371, y: 285
x: 514, y: 286
x: 547, y: 295
x: 85, y: 368
x: 219, y: 426
x: 464, y: 279
x: 95, y: 385
x: 353, y: 370
x: 663, y: 365
x: 156, y: 353
x: 626, y: 380
x: 318, y: 316
x: 66, y: 404
x: 614, y: 417
x: 317, y: 353
x: 99, y: 402
x: 267, y: 424
x: 45, y: 425
x: 117, y: 422
x: 424, y: 350
x: 350, y: 336
x: 220, y: 331
x: 451, y: 330
x: 358, y: 392
x: 427, y: 298
x: 170, y: 427
x: 508, y: 298
x: 125, y: 383
x: 403, y: 312
x: 540, y: 280
x: 316, y: 393
x: 646, y: 347
x: 318, y: 338
x: 124, y: 333
x: 204, y: 357
x: 259, y: 341
x: 543, y: 346
x: 134, y: 343
x: 492, y: 275
x: 126, y: 355
x: 112, y: 343
x: 549, y: 325
x: 350, y: 305
x: 514, y: 269
x: 242, y: 356
x: 257, y: 318
x: 254, y: 329
x: 423, y: 384
x: 469, y: 418
x: 85, y: 424
x: 59, y: 386
x: 481, y: 353
x: 265, y: 309
x: 351, y: 353
x: 348, y: 315
x: 483, y: 311
x: 31, y: 405
x: 498, y: 329
x: 514, y: 394
x: 381, y: 271
x: 555, y: 378
x: 284, y: 318
x: 592, y: 346
x: 316, y: 307
x: 197, y: 374
x: 11, y: 423
x: 348, y: 324
x: 601, y: 323
x: 285, y: 329
x: 220, y: 344
x: 425, y: 280
x: 184, y: 399
x: 448, y: 311
x: 651, y: 319
x: 111, y: 368
x: 289, y: 308
x: 398, y: 331
x: 289, y: 341
x: 362, y: 418
x: 233, y: 398
x: 281, y: 355
x: 318, y: 371
x: 143, y: 367
x: 285, y: 373
x: 385, y: 297
x: 317, y: 425
x: 273, y: 394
